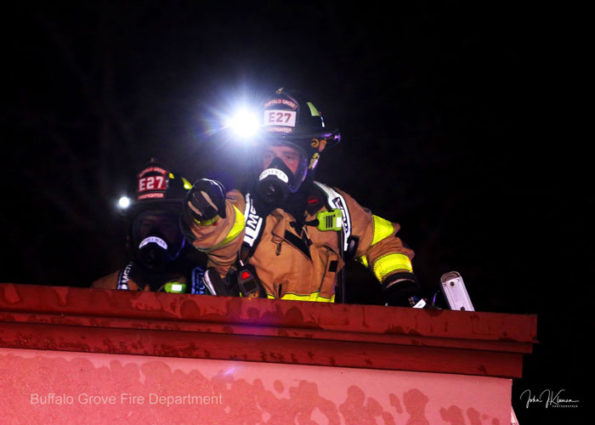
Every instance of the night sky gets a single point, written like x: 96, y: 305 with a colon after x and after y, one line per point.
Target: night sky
x: 449, y: 112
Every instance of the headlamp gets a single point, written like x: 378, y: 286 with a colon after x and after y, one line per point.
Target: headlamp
x: 244, y: 124
x: 124, y: 202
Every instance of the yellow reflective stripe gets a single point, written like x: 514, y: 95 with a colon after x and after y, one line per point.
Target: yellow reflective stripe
x: 314, y: 296
x: 187, y: 184
x: 313, y: 111
x: 206, y: 222
x: 364, y: 260
x: 236, y: 229
x: 390, y: 263
x: 382, y: 229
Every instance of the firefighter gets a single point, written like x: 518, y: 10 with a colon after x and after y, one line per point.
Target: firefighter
x: 289, y: 236
x: 160, y: 258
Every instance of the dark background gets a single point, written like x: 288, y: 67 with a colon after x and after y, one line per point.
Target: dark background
x: 454, y: 118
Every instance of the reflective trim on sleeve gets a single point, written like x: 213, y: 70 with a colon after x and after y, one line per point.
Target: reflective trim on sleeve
x: 390, y: 263
x: 206, y: 222
x: 314, y: 296
x: 236, y: 229
x: 364, y: 260
x: 382, y: 229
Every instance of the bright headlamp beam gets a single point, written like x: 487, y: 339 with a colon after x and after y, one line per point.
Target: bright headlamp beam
x: 244, y: 124
x: 124, y: 202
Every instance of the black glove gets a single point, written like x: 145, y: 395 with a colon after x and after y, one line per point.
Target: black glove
x: 242, y: 282
x: 218, y: 286
x: 401, y: 290
x: 206, y: 200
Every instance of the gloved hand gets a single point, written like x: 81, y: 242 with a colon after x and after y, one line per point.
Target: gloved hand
x: 219, y: 286
x: 206, y: 200
x: 401, y: 290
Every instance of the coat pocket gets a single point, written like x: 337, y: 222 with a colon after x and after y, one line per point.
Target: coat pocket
x: 329, y: 264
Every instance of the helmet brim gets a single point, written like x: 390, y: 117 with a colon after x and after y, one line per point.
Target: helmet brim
x: 301, y: 140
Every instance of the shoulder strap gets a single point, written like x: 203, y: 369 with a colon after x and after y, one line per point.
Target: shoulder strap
x: 336, y: 201
x: 253, y: 229
x: 124, y: 276
x: 197, y: 281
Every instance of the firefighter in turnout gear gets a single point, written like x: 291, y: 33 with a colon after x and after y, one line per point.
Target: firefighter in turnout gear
x: 161, y: 259
x: 289, y: 236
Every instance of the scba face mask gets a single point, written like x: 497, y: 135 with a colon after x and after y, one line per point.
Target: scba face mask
x: 157, y: 240
x: 277, y: 181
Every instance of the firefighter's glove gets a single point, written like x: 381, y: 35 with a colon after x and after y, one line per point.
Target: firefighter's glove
x: 401, y: 290
x: 217, y: 285
x: 205, y: 202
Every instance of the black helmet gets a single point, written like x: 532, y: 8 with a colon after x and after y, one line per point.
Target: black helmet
x: 154, y: 235
x: 292, y: 120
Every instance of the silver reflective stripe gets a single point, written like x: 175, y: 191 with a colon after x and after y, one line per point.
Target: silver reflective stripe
x: 253, y: 222
x: 335, y: 200
x: 124, y: 277
x: 208, y: 283
x: 420, y: 304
